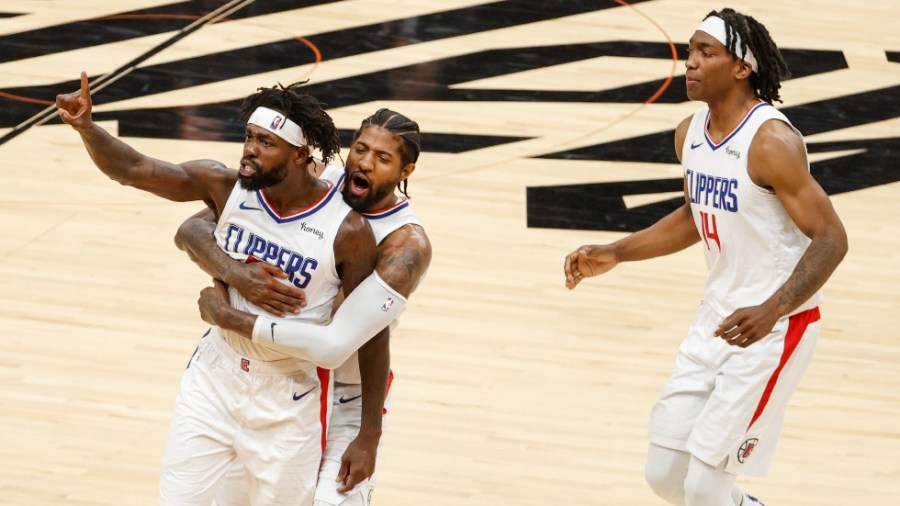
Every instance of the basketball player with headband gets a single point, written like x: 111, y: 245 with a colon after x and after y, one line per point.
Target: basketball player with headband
x: 381, y: 158
x: 771, y: 238
x: 240, y: 401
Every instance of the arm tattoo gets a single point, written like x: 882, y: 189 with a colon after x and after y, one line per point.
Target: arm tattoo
x: 401, y: 268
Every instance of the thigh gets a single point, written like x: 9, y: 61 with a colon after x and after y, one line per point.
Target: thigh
x: 743, y: 417
x: 687, y: 390
x: 199, y: 447
x: 234, y: 488
x: 282, y: 440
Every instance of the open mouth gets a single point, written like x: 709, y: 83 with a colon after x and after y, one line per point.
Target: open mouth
x: 359, y: 184
x: 247, y: 169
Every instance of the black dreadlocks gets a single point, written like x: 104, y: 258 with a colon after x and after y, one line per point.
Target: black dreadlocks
x: 401, y: 126
x: 766, y: 80
x: 302, y: 109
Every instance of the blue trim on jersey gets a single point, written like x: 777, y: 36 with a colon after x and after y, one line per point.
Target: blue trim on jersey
x: 387, y: 213
x: 303, y: 214
x: 734, y: 132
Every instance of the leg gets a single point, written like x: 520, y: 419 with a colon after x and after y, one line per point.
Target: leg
x: 281, y: 442
x: 199, y: 445
x: 666, y: 471
x: 234, y: 488
x: 706, y: 485
x: 344, y: 426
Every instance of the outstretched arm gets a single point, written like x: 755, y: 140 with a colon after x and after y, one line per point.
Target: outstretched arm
x: 258, y: 282
x: 202, y: 180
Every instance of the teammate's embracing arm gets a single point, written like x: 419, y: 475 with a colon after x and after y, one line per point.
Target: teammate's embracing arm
x: 371, y: 306
x: 403, y: 259
x: 205, y: 180
x: 674, y: 232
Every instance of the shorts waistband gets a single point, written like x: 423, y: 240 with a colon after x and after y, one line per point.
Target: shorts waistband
x: 285, y: 367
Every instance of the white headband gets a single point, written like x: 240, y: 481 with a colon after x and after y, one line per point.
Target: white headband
x: 715, y: 26
x: 278, y: 124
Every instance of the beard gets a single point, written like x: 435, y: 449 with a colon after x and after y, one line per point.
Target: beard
x: 366, y: 203
x: 263, y: 179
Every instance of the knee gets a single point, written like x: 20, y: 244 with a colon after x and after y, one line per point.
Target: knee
x: 700, y: 495
x: 665, y: 483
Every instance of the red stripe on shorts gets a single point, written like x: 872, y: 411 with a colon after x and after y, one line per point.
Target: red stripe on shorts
x: 387, y: 390
x: 796, y: 328
x: 324, y: 375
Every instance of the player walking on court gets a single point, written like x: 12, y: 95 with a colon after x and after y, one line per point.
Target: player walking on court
x: 238, y: 400
x: 771, y: 239
x: 382, y: 156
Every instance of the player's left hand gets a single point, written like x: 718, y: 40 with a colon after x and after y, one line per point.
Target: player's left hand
x: 213, y: 301
x: 747, y: 325
x: 357, y: 464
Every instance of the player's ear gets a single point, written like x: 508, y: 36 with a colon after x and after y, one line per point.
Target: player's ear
x: 301, y: 156
x: 406, y: 171
x: 744, y: 70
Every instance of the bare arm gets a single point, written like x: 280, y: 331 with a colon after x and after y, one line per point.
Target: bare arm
x: 674, y: 232
x: 202, y: 180
x: 777, y: 160
x: 258, y: 282
x: 403, y: 259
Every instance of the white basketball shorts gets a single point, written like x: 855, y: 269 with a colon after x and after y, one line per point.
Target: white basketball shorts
x: 268, y: 416
x: 724, y: 402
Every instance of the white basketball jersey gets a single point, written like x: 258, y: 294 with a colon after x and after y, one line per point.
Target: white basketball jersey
x: 301, y: 244
x: 383, y: 223
x: 750, y: 242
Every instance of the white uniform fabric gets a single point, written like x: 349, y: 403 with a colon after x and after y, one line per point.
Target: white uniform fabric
x: 346, y: 416
x: 750, y: 242
x: 722, y: 402
x: 241, y: 404
x: 727, y: 402
x: 301, y: 244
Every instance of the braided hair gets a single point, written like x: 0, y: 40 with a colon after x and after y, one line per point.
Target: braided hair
x: 302, y: 109
x: 401, y: 126
x: 771, y: 68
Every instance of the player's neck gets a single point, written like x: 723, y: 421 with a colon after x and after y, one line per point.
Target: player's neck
x: 382, y: 205
x: 299, y: 191
x: 727, y: 113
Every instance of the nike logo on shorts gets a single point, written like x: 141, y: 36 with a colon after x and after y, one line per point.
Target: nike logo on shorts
x: 297, y: 397
x: 345, y: 401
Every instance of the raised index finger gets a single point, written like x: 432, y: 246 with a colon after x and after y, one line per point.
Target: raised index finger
x: 85, y: 87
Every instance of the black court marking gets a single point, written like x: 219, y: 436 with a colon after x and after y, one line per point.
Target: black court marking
x: 204, y: 123
x: 601, y: 206
x: 96, y: 32
x: 95, y: 85
x: 287, y: 53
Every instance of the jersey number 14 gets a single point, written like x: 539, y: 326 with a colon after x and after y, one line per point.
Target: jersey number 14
x: 710, y: 231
